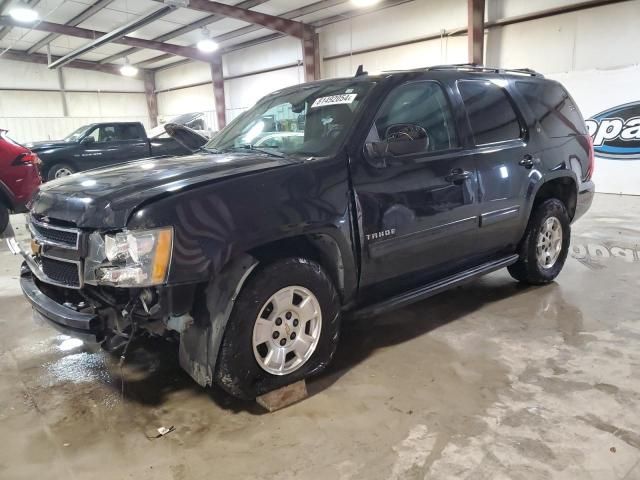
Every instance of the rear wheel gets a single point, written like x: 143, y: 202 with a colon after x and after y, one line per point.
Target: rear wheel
x: 4, y: 217
x: 544, y: 247
x: 60, y: 170
x: 284, y: 327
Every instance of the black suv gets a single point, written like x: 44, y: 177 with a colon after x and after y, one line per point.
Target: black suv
x: 399, y: 186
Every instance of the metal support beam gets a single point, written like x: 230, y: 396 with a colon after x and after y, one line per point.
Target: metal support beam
x: 272, y: 22
x: 151, y: 96
x: 239, y: 32
x: 41, y: 58
x: 63, y: 93
x: 188, y: 52
x: 311, y: 55
x: 77, y: 20
x: 113, y: 35
x: 218, y: 91
x: 475, y: 28
x: 298, y: 12
x: 203, y: 22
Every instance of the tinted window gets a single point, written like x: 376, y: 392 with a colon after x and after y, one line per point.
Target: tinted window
x: 553, y: 108
x: 423, y: 104
x: 128, y: 132
x: 490, y: 112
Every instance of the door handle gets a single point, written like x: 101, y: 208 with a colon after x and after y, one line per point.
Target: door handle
x: 458, y: 176
x: 527, y: 161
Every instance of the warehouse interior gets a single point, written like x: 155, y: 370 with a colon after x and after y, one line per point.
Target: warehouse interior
x: 488, y: 380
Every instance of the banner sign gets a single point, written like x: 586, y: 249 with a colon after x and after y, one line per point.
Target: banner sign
x: 616, y: 132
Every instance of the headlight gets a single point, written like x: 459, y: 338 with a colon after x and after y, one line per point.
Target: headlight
x: 132, y: 258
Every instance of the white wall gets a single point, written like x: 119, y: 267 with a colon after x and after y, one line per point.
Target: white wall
x: 240, y: 93
x: 38, y: 115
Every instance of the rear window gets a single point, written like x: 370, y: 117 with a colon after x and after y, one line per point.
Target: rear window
x: 491, y: 113
x: 553, y: 108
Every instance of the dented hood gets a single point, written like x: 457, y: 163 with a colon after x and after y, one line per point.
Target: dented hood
x: 105, y: 198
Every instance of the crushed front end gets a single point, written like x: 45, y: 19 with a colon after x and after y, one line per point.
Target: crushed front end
x: 99, y: 286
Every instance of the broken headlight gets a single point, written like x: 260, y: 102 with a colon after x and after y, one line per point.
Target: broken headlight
x: 131, y: 258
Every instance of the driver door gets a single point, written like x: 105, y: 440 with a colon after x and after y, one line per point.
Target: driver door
x: 419, y: 210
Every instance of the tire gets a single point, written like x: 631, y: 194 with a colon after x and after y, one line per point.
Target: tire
x: 4, y: 218
x: 238, y: 369
x: 60, y: 170
x: 538, y: 267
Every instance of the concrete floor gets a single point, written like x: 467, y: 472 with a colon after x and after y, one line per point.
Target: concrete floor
x: 489, y: 381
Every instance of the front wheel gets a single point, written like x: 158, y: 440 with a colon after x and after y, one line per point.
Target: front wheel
x: 284, y: 327
x: 545, y: 245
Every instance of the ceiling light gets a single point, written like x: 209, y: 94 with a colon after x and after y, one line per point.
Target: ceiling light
x: 23, y: 13
x: 364, y: 3
x: 207, y: 44
x: 128, y: 70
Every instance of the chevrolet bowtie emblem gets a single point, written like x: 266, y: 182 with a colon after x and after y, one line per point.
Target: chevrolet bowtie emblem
x: 36, y: 248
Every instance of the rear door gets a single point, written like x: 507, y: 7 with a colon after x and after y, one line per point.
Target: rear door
x: 505, y: 161
x: 419, y: 211
x: 132, y: 142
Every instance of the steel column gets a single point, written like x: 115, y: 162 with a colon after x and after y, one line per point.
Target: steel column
x: 311, y: 55
x: 217, y: 79
x: 476, y: 31
x: 151, y: 96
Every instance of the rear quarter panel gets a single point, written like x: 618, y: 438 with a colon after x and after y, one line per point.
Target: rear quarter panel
x: 558, y: 156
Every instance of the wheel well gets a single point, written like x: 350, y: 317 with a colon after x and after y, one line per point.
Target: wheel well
x: 564, y: 189
x: 320, y: 248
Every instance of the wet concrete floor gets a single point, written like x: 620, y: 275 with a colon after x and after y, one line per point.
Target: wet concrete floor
x: 488, y: 381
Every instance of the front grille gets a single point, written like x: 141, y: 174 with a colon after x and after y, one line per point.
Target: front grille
x: 60, y: 236
x: 63, y: 273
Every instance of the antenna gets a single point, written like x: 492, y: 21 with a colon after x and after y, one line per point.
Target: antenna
x: 360, y: 72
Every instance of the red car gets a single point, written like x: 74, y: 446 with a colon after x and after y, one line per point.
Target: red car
x: 19, y: 177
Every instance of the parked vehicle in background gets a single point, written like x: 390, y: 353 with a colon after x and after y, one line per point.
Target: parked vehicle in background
x: 101, y: 145
x: 19, y: 177
x: 196, y: 121
x: 400, y: 186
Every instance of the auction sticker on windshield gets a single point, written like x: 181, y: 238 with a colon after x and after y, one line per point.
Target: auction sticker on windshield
x: 335, y: 100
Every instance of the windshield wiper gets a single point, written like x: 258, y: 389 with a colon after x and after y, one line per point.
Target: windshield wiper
x: 208, y: 150
x: 257, y: 149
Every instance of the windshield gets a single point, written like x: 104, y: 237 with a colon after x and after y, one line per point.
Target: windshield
x: 312, y: 121
x: 75, y: 136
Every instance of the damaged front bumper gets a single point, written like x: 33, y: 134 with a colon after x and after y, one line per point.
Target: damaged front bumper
x: 85, y: 326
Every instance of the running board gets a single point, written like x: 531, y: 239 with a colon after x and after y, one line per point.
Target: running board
x: 434, y: 288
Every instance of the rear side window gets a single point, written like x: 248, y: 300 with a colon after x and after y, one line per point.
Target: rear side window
x: 553, y: 108
x: 491, y: 114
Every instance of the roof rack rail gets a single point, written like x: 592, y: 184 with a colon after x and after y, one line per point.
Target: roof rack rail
x: 473, y: 68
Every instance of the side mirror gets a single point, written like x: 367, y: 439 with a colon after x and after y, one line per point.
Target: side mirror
x: 400, y: 139
x: 406, y: 138
x: 87, y: 140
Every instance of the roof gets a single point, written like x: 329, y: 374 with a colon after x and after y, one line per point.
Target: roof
x: 84, y: 20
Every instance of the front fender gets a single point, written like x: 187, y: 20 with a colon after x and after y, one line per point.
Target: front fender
x: 200, y: 342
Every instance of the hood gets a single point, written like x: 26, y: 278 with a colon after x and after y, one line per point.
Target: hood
x: 105, y: 198
x: 185, y: 136
x: 38, y: 146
